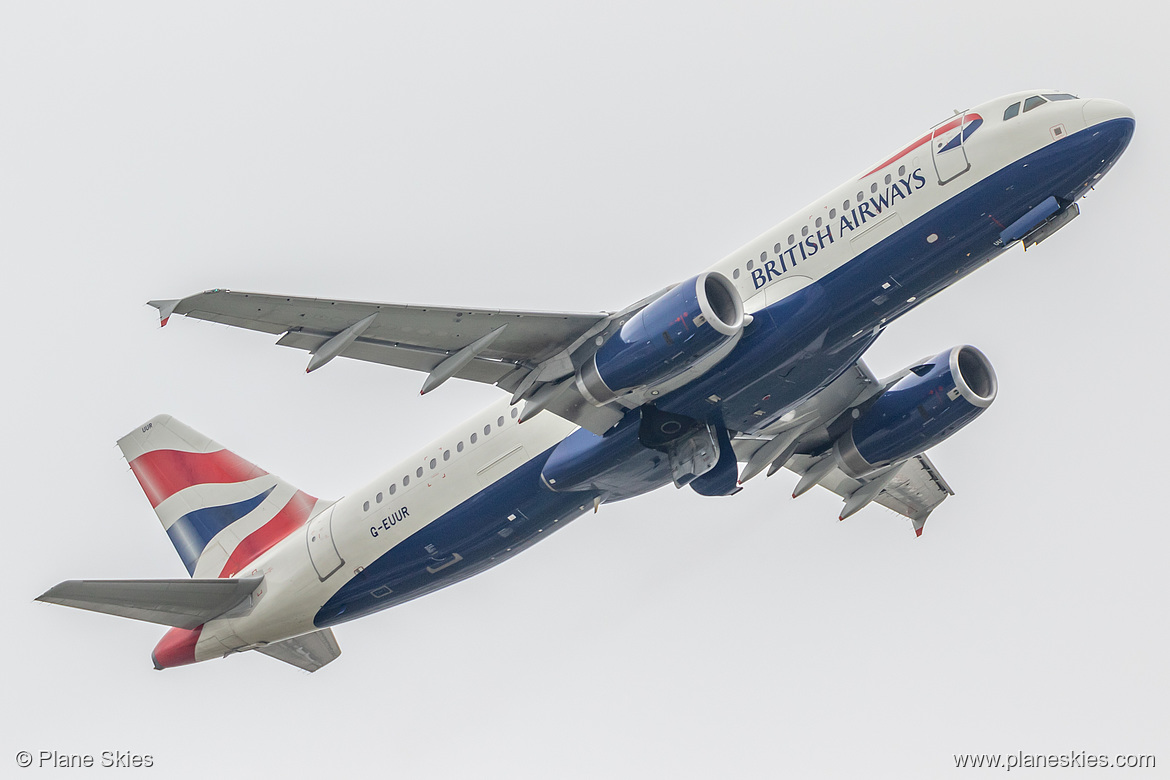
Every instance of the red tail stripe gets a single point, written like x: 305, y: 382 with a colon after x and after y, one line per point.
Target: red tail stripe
x: 287, y: 520
x: 176, y: 648
x: 162, y: 473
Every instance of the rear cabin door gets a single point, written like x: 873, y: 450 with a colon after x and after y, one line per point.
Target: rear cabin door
x: 322, y: 551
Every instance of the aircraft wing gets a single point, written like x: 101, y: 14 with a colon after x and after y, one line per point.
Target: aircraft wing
x: 913, y: 490
x: 519, y: 351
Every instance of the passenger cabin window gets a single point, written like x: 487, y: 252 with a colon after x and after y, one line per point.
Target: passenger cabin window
x: 366, y: 507
x: 1033, y: 102
x: 1011, y: 111
x: 393, y: 488
x: 406, y: 480
x: 378, y: 498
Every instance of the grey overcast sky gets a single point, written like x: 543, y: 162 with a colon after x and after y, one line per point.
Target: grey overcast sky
x: 573, y: 157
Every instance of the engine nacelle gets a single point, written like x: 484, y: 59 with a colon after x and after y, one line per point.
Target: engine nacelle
x: 931, y: 402
x: 665, y: 338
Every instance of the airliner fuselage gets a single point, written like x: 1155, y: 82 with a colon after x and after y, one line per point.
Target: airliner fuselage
x: 813, y: 294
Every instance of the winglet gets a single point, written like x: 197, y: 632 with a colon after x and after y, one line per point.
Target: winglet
x: 919, y: 524
x: 165, y: 309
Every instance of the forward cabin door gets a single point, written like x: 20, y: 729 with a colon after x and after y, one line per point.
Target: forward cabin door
x: 948, y: 149
x: 322, y: 551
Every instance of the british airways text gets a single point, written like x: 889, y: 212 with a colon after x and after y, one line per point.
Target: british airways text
x: 857, y: 216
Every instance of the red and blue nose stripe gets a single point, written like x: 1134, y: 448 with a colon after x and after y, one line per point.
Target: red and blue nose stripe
x: 970, y: 122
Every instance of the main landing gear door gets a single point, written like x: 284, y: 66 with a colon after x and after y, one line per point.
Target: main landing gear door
x: 949, y: 150
x: 322, y: 551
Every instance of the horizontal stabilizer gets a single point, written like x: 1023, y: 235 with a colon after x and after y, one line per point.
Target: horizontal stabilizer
x: 309, y: 652
x: 178, y: 603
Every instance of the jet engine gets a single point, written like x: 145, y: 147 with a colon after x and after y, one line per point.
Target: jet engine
x: 664, y: 339
x: 934, y: 399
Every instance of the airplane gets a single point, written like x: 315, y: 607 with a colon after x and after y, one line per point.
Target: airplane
x: 748, y: 367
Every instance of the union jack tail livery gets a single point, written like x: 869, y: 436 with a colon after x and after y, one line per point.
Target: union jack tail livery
x: 220, y: 511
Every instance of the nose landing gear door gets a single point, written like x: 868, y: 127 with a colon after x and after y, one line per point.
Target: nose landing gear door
x: 322, y: 551
x: 948, y: 148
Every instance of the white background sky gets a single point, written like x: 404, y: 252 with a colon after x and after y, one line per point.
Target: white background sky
x: 548, y: 156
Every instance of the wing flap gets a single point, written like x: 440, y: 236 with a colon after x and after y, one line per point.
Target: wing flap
x: 914, y: 491
x: 309, y: 652
x: 403, y: 356
x: 178, y: 603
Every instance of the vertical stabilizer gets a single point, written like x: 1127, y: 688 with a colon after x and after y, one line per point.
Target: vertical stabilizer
x: 220, y: 511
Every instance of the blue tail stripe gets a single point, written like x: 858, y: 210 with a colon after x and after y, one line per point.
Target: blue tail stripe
x: 192, y: 532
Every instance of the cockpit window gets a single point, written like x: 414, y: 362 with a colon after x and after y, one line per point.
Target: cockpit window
x: 1012, y: 110
x: 1032, y: 102
x: 1061, y: 96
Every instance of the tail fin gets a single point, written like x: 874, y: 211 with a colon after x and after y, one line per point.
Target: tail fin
x: 220, y: 511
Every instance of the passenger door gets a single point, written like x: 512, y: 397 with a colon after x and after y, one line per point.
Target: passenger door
x: 948, y: 149
x: 322, y: 551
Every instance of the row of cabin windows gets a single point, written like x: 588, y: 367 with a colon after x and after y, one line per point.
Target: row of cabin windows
x: 832, y: 215
x: 434, y: 462
x: 1034, y: 102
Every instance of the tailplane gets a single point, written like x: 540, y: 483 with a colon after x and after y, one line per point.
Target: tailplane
x: 184, y: 604
x: 220, y: 511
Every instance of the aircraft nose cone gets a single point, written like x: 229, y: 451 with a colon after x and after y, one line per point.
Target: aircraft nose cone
x: 1099, y: 110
